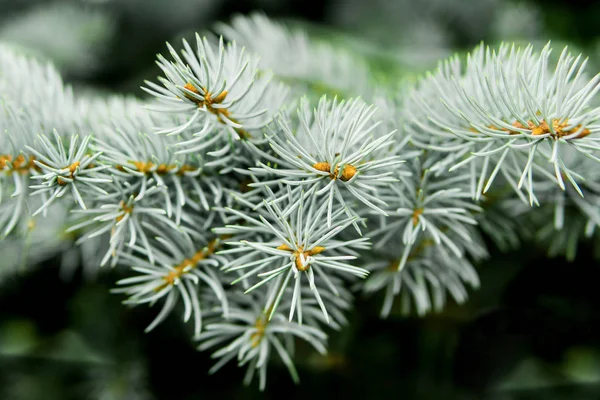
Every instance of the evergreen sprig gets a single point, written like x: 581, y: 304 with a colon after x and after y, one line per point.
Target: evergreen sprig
x: 239, y: 193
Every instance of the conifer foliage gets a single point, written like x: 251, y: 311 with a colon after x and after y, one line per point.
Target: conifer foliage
x: 240, y: 198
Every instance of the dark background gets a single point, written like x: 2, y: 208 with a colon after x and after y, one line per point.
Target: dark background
x: 531, y: 332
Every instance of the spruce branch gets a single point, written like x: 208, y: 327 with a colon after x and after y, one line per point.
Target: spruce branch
x: 508, y: 111
x: 181, y: 264
x: 215, y: 196
x: 294, y: 245
x: 251, y: 337
x: 219, y: 94
x: 64, y: 170
x: 336, y: 152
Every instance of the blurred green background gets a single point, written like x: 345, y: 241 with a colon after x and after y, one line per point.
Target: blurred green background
x: 531, y: 332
